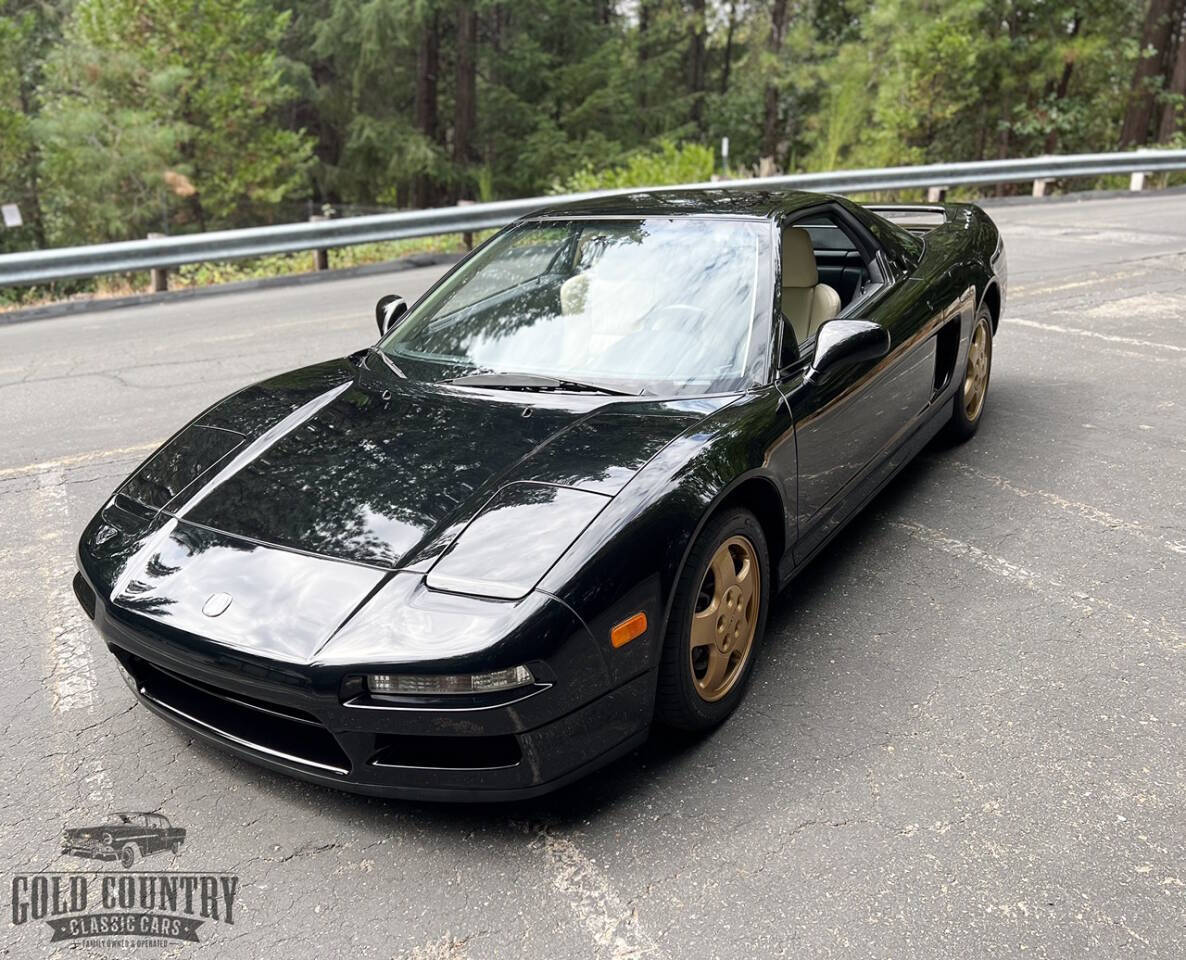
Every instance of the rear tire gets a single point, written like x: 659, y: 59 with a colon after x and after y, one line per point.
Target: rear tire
x: 971, y: 394
x: 716, y: 624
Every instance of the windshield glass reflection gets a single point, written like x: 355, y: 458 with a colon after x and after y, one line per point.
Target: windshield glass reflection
x: 662, y: 305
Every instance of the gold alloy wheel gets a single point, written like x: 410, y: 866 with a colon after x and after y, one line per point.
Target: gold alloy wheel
x: 725, y: 618
x: 976, y: 379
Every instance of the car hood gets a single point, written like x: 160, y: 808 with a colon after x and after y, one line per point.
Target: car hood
x: 272, y: 519
x: 91, y: 833
x: 357, y: 464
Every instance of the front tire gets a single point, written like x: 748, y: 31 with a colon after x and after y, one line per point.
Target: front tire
x: 967, y: 407
x: 717, y: 621
x: 127, y: 855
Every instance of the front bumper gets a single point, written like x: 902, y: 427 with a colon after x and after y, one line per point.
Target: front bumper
x: 296, y: 720
x: 89, y: 851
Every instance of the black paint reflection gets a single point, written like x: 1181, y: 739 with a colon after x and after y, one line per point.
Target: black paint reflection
x: 390, y: 471
x: 284, y: 604
x: 516, y: 538
x: 183, y: 460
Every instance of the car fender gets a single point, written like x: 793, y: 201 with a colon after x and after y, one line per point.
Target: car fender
x: 631, y: 556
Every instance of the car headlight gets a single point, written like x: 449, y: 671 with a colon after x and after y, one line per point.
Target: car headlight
x: 427, y: 684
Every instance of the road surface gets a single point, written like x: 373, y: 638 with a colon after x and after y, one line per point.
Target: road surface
x: 965, y: 736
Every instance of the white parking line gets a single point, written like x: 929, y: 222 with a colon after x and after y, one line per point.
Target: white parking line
x: 78, y: 459
x: 1107, y: 279
x: 72, y: 671
x: 71, y: 666
x: 1084, y: 510
x: 601, y: 911
x: 1049, y: 587
x: 1092, y: 334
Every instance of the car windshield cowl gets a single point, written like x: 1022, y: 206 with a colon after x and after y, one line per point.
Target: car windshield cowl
x: 495, y: 380
x: 658, y: 306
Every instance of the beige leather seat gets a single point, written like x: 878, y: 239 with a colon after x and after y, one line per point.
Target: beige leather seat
x: 574, y: 294
x: 599, y: 312
x: 806, y: 302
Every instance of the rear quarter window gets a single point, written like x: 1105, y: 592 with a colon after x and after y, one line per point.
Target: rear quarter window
x: 825, y: 235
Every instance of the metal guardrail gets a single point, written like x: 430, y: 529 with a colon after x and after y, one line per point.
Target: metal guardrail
x: 40, y: 266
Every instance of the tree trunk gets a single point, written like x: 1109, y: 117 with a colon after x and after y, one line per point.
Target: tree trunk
x: 644, y: 53
x: 465, y: 97
x: 778, y: 25
x: 1171, y: 111
x: 1154, y: 37
x: 1064, y: 83
x: 496, y: 27
x: 697, y: 27
x: 428, y: 63
x: 1003, y: 138
x: 189, y: 153
x: 328, y: 134
x: 728, y: 60
x: 32, y: 164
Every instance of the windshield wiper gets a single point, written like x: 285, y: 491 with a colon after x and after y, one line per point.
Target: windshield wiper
x: 533, y: 381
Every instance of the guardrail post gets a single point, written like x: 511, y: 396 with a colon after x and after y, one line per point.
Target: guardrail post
x: 160, y: 275
x: 936, y: 194
x: 1137, y: 181
x: 467, y: 236
x: 320, y: 257
x: 1041, y: 186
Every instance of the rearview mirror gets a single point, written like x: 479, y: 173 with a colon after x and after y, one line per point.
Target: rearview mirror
x: 841, y: 343
x: 388, y: 310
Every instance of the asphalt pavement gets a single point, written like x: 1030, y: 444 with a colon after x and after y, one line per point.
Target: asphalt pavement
x: 964, y: 737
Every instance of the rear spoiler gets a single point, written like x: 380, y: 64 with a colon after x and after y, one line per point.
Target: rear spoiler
x: 918, y: 218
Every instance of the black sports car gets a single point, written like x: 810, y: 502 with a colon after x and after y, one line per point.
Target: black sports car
x: 552, y: 504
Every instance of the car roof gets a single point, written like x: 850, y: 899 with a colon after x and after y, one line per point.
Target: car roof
x: 734, y: 202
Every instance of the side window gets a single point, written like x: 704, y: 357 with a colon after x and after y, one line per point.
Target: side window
x: 826, y: 235
x: 843, y: 263
x: 829, y: 266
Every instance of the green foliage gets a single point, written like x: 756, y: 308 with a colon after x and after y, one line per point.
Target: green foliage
x: 177, y: 132
x: 670, y: 164
x: 119, y: 117
x: 15, y: 132
x: 27, y: 33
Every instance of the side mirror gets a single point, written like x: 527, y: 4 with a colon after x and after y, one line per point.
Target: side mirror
x: 388, y: 310
x: 841, y: 343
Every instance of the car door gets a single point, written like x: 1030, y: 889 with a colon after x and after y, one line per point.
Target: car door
x: 847, y: 423
x: 156, y: 828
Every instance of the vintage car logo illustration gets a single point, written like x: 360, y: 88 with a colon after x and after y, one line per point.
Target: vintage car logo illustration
x: 217, y: 604
x: 126, y: 837
x: 103, y: 907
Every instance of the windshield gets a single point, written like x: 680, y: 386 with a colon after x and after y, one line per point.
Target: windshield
x: 658, y: 305
x: 117, y: 819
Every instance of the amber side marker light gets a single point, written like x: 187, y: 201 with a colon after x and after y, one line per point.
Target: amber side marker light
x: 627, y: 630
